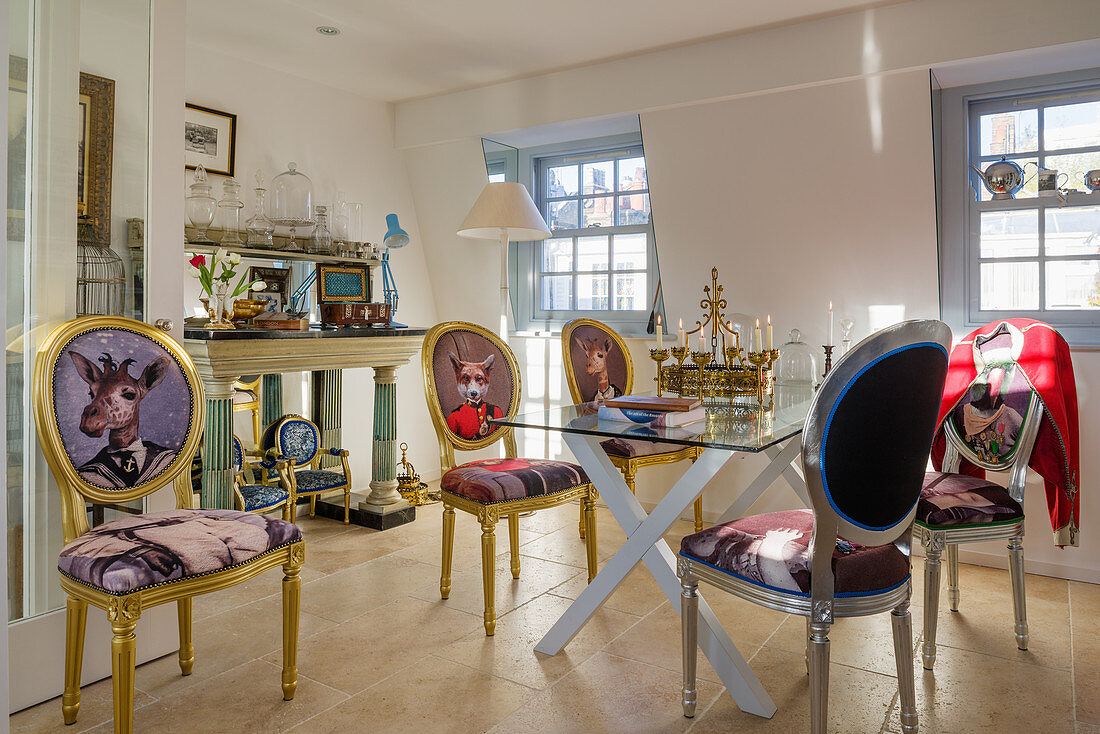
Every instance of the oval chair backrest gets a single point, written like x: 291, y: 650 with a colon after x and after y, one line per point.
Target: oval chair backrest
x: 597, y: 361
x: 238, y: 455
x: 870, y: 428
x: 470, y: 376
x: 119, y: 412
x: 295, y: 437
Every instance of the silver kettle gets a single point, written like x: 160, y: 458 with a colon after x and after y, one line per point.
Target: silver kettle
x: 1004, y: 178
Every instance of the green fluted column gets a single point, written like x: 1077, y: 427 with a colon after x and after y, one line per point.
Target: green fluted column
x: 328, y: 387
x: 271, y: 400
x: 383, y: 481
x: 217, y: 445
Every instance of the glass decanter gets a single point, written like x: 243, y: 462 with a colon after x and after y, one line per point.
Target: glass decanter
x: 846, y: 326
x: 201, y: 207
x: 321, y: 240
x: 259, y: 226
x: 230, y: 209
x: 797, y: 364
x: 293, y: 192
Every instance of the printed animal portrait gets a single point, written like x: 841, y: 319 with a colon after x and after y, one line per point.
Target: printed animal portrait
x: 123, y: 407
x: 473, y: 383
x: 599, y: 365
x: 991, y: 413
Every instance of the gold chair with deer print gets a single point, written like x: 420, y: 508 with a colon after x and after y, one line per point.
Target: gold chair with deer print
x: 90, y: 377
x: 598, y: 367
x: 471, y: 377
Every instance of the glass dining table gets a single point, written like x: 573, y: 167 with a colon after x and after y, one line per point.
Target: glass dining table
x: 733, y: 428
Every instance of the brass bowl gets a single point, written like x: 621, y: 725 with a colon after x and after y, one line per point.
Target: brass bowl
x: 245, y: 309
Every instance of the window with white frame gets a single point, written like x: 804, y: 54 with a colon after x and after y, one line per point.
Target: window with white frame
x: 1036, y: 254
x: 600, y: 259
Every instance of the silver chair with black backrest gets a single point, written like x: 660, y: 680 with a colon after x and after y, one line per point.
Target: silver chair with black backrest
x: 849, y: 555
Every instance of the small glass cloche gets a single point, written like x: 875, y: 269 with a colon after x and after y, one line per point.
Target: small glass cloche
x: 797, y: 364
x: 293, y: 194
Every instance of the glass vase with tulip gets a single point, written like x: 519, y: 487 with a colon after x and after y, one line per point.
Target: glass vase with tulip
x: 216, y: 274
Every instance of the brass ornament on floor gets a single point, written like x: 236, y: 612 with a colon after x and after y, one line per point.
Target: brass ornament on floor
x: 409, y: 485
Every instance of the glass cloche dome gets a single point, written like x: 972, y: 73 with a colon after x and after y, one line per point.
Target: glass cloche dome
x: 797, y: 364
x: 293, y: 200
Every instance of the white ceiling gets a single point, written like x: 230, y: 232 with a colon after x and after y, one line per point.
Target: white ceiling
x: 399, y: 49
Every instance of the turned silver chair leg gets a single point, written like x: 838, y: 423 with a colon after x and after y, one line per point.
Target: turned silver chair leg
x: 819, y: 677
x: 902, y: 623
x: 953, y: 576
x: 933, y: 550
x: 689, y: 625
x: 1019, y: 601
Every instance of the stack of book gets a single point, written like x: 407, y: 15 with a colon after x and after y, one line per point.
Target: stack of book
x: 662, y: 412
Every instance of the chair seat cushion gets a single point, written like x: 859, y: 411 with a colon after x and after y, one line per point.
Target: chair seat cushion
x: 500, y: 480
x: 630, y: 448
x: 134, y: 553
x: 318, y: 480
x: 957, y: 499
x: 773, y: 550
x: 261, y: 496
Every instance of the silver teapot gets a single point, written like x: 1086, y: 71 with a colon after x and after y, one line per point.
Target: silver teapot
x: 1092, y: 179
x: 1004, y: 178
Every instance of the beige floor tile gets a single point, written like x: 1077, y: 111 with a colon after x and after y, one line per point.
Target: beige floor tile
x: 434, y: 695
x: 1085, y: 728
x: 362, y: 651
x: 317, y: 528
x: 555, y: 518
x: 266, y: 584
x: 607, y: 694
x: 346, y: 594
x: 245, y: 699
x: 638, y: 594
x: 510, y: 652
x: 1086, y: 685
x: 467, y: 545
x: 858, y: 699
x: 96, y: 707
x: 347, y: 550
x: 565, y: 545
x: 1085, y: 605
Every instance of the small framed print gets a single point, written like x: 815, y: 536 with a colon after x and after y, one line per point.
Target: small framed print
x: 209, y: 139
x: 277, y: 292
x: 340, y: 284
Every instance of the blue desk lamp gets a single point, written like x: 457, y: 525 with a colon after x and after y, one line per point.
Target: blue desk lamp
x: 395, y: 238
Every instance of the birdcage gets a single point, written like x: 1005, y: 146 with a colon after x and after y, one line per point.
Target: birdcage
x: 100, y: 276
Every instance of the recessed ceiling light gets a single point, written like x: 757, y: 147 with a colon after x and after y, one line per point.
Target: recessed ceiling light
x: 327, y: 30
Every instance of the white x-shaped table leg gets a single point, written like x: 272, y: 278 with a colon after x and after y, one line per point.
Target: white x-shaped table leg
x: 644, y: 542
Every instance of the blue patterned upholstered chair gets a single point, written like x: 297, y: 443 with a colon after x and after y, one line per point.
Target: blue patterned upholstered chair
x: 957, y: 508
x: 471, y: 377
x: 597, y: 367
x: 848, y: 556
x: 90, y: 376
x: 261, y: 495
x: 298, y: 440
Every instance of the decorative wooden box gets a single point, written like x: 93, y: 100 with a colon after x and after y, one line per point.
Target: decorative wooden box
x: 355, y: 314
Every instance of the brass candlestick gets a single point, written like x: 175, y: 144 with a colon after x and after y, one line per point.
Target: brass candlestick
x: 679, y: 354
x: 701, y: 359
x: 659, y: 356
x: 760, y: 360
x: 828, y: 358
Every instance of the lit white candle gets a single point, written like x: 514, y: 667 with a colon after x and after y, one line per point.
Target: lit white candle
x: 769, y: 331
x: 756, y: 337
x: 830, y: 341
x: 660, y: 333
x: 681, y: 337
x: 702, y: 344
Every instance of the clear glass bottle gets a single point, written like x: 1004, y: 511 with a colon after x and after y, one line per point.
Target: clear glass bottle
x: 340, y: 218
x: 321, y: 240
x: 260, y: 228
x: 201, y: 207
x: 797, y: 364
x: 230, y: 210
x: 293, y: 192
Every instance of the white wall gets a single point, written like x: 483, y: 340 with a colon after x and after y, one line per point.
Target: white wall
x: 344, y: 143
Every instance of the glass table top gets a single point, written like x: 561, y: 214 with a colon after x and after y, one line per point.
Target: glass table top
x: 737, y: 424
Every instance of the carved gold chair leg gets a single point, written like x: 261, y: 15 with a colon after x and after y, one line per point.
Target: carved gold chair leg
x: 698, y: 514
x: 76, y: 617
x: 513, y: 542
x: 347, y: 505
x: 312, y: 505
x: 187, y: 648
x: 256, y: 432
x: 488, y: 563
x: 448, y: 550
x: 292, y: 599
x: 123, y: 653
x: 580, y: 522
x: 589, y: 504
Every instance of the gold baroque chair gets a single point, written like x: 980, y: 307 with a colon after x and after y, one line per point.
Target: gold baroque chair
x: 246, y: 396
x: 298, y: 441
x: 260, y: 495
x: 471, y: 377
x: 598, y: 367
x: 90, y: 376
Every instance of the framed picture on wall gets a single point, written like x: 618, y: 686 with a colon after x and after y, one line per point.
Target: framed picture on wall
x: 95, y: 148
x: 209, y: 139
x: 277, y: 292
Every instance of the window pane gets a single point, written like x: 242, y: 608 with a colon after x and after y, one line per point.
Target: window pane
x: 1006, y: 133
x: 1010, y: 286
x: 1074, y: 166
x: 561, y: 181
x: 497, y: 177
x: 592, y: 253
x: 1073, y: 284
x: 630, y: 252
x: 1073, y: 231
x: 599, y: 178
x: 632, y: 174
x: 557, y: 292
x: 634, y: 209
x: 592, y: 292
x: 562, y: 214
x: 1010, y: 234
x: 1071, y: 125
x: 598, y: 212
x: 630, y: 292
x: 557, y: 255
x: 1030, y: 187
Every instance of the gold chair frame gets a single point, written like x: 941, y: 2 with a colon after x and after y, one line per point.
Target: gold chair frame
x: 628, y: 465
x: 240, y: 479
x: 124, y: 610
x: 251, y: 405
x: 488, y: 514
x: 314, y: 464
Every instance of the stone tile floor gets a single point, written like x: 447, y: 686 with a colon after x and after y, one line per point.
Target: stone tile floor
x: 380, y: 652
